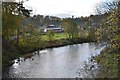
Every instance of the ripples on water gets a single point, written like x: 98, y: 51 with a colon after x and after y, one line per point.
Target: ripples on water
x: 63, y: 62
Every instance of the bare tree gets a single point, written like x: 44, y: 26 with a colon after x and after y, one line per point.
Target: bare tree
x: 106, y: 7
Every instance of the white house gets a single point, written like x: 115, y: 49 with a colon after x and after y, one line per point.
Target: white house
x: 53, y: 28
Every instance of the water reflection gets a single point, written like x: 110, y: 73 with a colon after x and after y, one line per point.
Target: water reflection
x: 62, y: 62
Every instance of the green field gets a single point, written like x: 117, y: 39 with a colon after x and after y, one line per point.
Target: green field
x: 57, y: 36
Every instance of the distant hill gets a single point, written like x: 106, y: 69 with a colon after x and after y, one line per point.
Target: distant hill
x: 40, y: 21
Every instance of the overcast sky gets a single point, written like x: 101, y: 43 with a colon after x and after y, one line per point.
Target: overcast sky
x: 63, y: 8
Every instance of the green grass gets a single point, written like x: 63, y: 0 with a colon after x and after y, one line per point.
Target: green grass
x: 57, y: 36
x: 60, y: 36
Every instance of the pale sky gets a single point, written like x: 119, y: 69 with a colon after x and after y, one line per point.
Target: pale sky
x: 63, y: 8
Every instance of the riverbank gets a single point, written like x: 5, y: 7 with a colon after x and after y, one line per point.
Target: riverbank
x: 109, y: 64
x: 11, y: 52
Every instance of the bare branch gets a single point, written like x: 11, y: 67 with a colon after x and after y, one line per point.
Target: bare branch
x: 106, y: 7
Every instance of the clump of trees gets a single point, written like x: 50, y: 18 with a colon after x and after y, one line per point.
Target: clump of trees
x: 71, y: 29
x: 92, y: 34
x: 109, y: 32
x: 110, y: 26
x: 12, y: 14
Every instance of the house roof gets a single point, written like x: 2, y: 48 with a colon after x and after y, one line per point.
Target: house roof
x: 51, y: 26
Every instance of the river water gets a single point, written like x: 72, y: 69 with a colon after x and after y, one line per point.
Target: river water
x: 63, y: 62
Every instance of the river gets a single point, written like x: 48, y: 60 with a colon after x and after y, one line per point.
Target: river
x: 63, y: 62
